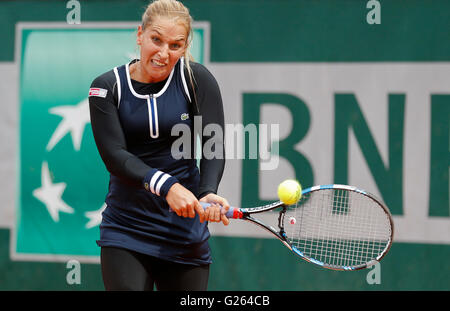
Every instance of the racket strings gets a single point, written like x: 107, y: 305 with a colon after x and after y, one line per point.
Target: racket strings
x: 339, y: 227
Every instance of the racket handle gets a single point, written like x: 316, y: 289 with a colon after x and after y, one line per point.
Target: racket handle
x: 233, y: 212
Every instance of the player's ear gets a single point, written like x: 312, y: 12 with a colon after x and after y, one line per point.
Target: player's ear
x: 139, y: 35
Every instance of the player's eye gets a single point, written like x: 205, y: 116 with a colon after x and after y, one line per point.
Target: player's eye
x: 156, y: 39
x: 175, y: 46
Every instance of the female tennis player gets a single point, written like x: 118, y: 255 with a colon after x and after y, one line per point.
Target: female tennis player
x: 154, y: 230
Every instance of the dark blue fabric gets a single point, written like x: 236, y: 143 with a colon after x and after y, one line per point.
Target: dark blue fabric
x: 137, y: 218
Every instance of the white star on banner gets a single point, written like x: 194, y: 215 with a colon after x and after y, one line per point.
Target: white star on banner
x: 50, y: 194
x: 95, y: 217
x: 74, y: 121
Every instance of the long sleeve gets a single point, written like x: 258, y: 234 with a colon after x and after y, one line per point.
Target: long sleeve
x: 210, y: 108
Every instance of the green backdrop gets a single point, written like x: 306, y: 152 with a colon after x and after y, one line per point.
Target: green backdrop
x: 34, y: 251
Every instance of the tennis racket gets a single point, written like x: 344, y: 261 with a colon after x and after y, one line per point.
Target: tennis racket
x: 337, y: 227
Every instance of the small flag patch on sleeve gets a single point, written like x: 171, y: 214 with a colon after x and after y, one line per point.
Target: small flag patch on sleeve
x: 93, y: 91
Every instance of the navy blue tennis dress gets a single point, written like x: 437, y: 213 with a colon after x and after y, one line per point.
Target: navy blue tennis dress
x: 138, y: 217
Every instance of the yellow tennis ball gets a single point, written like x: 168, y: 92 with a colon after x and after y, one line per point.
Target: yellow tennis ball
x: 289, y: 191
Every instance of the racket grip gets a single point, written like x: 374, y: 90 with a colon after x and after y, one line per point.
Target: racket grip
x: 233, y: 212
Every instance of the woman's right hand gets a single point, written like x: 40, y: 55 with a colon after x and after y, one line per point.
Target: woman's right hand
x: 184, y: 203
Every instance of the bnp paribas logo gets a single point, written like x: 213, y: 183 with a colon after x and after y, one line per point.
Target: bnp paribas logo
x: 62, y: 181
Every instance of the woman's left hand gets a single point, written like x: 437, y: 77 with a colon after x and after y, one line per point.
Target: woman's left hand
x: 217, y: 210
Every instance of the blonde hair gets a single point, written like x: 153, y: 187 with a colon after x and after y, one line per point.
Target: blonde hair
x: 176, y: 10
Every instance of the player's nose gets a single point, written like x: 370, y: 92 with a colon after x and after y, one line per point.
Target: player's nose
x: 163, y: 52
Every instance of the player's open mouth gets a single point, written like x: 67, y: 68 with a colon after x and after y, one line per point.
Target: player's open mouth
x: 159, y: 64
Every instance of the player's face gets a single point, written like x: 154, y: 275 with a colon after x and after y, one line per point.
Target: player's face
x: 162, y: 44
